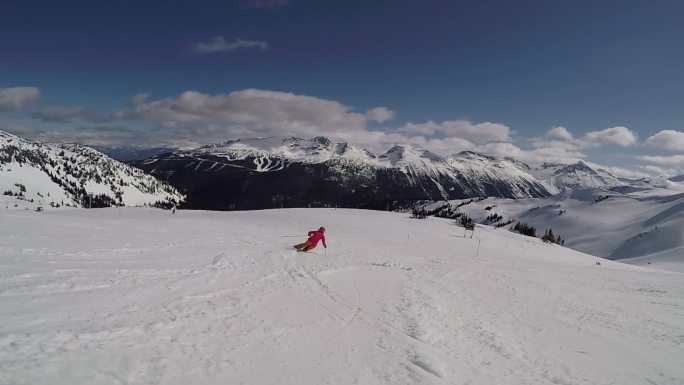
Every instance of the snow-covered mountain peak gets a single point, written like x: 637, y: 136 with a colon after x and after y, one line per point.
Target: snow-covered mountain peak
x: 575, y: 175
x: 402, y: 154
x: 477, y: 166
x: 353, y: 153
x: 473, y: 155
x: 579, y: 167
x: 322, y: 141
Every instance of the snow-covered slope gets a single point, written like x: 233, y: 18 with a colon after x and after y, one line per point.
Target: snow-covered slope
x: 647, y: 224
x: 221, y: 298
x: 51, y: 175
x: 572, y: 176
x: 480, y: 167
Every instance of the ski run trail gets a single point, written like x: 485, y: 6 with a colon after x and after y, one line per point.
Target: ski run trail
x: 141, y: 296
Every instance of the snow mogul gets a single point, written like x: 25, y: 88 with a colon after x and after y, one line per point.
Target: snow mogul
x: 314, y: 237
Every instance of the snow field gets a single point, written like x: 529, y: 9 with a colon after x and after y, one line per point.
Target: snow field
x: 141, y: 296
x: 635, y: 228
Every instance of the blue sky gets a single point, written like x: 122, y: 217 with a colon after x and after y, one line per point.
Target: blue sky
x: 492, y: 76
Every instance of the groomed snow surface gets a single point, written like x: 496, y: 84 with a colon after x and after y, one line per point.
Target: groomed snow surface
x: 140, y: 296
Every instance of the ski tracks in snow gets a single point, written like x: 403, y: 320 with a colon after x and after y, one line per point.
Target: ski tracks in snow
x: 393, y: 333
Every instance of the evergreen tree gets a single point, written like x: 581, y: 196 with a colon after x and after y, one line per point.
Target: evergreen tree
x: 465, y: 220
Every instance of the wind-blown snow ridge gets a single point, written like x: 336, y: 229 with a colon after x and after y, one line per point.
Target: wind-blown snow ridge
x: 391, y: 301
x: 61, y: 174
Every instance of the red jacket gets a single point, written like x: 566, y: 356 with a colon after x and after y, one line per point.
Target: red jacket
x: 315, y: 236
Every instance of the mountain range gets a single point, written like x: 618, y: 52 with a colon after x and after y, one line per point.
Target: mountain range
x: 293, y: 172
x: 284, y: 172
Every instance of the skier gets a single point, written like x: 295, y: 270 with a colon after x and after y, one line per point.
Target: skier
x: 314, y: 237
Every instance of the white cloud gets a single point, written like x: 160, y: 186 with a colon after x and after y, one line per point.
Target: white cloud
x: 621, y: 172
x: 15, y: 98
x: 379, y: 114
x: 140, y: 99
x: 573, y: 145
x: 219, y: 44
x: 554, y: 155
x: 101, y: 135
x: 668, y: 161
x: 560, y: 133
x: 444, y: 146
x: 476, y: 132
x: 61, y: 114
x: 560, y: 137
x: 256, y: 112
x: 18, y: 129
x: 652, y: 171
x: 663, y: 165
x: 667, y: 139
x: 502, y: 150
x: 621, y: 136
x: 248, y: 113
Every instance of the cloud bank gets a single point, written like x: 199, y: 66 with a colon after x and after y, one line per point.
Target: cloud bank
x: 254, y: 112
x: 667, y: 139
x: 476, y: 132
x: 259, y: 112
x: 16, y: 98
x: 561, y: 137
x: 61, y: 114
x: 621, y: 136
x: 667, y: 161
